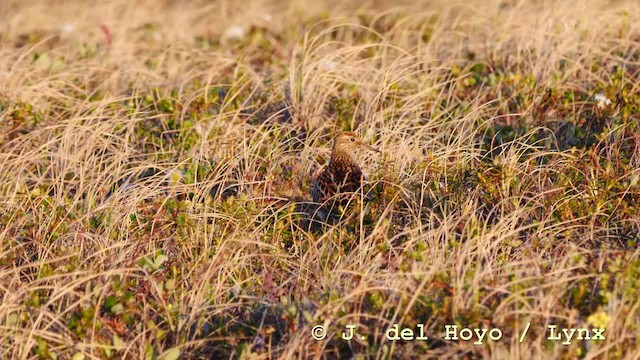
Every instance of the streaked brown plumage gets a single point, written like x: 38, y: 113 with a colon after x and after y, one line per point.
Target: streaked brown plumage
x: 342, y: 175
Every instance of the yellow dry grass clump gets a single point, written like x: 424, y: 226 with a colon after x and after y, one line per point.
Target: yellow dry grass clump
x: 155, y: 161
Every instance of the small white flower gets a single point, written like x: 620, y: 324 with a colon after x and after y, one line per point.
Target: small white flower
x: 235, y: 32
x: 602, y: 100
x: 68, y: 28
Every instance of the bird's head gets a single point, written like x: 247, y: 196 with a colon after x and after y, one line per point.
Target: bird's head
x: 348, y: 143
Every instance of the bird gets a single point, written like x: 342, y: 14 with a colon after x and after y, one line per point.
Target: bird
x: 342, y: 176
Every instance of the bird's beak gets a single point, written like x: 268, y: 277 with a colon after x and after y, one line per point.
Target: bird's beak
x: 371, y: 148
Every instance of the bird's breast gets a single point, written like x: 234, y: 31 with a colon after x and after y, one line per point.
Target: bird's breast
x: 347, y: 175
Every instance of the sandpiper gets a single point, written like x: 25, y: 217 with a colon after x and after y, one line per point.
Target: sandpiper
x: 342, y: 176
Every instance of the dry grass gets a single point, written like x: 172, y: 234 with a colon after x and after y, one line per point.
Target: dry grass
x: 150, y: 161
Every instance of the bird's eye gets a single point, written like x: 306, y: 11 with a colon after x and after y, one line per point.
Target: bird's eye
x: 352, y: 139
